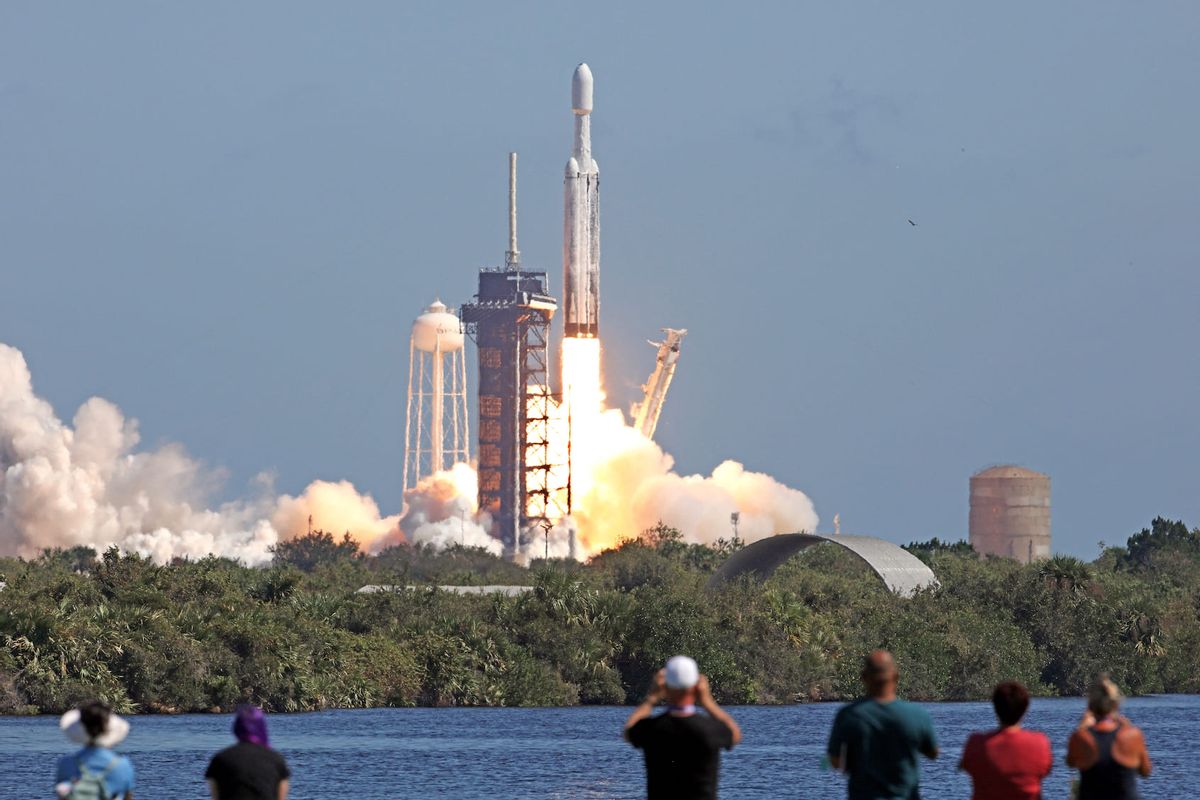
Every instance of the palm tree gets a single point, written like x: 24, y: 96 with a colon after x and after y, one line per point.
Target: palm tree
x: 1066, y: 574
x: 1145, y: 633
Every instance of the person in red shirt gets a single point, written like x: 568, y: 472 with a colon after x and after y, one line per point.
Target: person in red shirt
x: 1009, y: 762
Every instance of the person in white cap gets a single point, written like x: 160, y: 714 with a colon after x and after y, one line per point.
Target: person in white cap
x: 682, y: 748
x: 95, y: 772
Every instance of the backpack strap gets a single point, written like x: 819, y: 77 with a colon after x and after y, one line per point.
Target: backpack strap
x: 102, y: 775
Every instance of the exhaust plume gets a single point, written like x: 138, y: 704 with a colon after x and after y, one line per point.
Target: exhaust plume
x: 622, y: 482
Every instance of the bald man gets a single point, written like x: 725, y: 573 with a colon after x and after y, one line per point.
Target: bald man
x: 876, y: 740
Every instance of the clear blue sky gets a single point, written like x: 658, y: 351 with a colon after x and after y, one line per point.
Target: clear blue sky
x: 224, y: 216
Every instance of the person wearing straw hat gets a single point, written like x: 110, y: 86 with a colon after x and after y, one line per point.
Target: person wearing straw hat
x: 682, y: 748
x: 95, y: 772
x: 250, y: 769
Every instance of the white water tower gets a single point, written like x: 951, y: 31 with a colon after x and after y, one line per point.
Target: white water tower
x: 435, y: 428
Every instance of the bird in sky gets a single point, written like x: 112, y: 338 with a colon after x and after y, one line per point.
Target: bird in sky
x: 910, y: 222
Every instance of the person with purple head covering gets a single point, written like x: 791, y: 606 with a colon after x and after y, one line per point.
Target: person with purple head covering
x: 250, y: 769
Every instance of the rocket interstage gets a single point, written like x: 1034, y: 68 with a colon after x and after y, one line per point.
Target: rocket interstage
x: 581, y: 220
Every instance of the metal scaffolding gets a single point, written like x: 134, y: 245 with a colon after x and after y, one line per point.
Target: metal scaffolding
x: 509, y: 321
x: 510, y: 324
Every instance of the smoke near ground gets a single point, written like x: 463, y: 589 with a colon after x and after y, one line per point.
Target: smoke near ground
x: 633, y: 487
x: 440, y: 512
x: 629, y: 487
x: 86, y: 483
x: 623, y: 483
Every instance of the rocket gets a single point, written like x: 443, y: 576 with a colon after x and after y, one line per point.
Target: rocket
x: 581, y: 220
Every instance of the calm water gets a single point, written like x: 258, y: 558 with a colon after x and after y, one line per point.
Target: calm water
x: 465, y: 754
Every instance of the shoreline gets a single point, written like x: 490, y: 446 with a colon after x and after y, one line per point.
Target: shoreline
x: 222, y: 712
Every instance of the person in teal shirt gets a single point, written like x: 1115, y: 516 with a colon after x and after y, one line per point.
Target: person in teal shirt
x: 876, y: 741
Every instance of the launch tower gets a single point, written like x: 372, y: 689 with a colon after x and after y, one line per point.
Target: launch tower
x: 510, y: 323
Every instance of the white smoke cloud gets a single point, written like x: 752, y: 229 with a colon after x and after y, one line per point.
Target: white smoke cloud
x: 556, y: 543
x: 700, y: 507
x: 632, y: 487
x: 87, y: 484
x: 440, y: 512
x: 626, y: 486
x: 336, y: 507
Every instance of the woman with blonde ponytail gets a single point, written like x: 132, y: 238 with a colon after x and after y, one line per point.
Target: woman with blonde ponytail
x: 1106, y: 748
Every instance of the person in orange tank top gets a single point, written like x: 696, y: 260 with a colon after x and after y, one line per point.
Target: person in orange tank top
x: 1106, y: 748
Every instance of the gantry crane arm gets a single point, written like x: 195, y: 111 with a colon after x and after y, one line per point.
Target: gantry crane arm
x: 647, y: 412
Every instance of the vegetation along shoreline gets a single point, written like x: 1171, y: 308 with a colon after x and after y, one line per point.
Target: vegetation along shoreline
x: 200, y: 636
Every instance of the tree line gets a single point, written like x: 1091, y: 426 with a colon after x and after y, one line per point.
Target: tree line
x: 207, y: 635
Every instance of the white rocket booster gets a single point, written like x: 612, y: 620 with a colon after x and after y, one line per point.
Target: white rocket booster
x: 581, y: 220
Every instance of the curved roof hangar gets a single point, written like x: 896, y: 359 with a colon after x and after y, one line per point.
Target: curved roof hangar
x: 901, y: 571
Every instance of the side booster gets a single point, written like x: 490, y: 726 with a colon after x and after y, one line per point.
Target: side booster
x: 581, y: 220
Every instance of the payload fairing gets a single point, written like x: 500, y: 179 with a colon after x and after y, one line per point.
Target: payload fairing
x: 581, y: 220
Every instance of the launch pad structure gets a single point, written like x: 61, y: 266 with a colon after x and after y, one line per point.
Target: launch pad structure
x: 524, y: 430
x: 509, y: 321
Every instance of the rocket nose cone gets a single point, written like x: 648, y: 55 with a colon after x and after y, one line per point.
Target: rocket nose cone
x: 581, y: 90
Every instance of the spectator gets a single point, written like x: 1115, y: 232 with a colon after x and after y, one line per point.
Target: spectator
x: 682, y: 748
x: 250, y: 769
x: 95, y: 772
x: 876, y: 740
x: 1008, y: 763
x: 1106, y: 748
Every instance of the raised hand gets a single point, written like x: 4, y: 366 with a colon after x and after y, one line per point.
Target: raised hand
x: 658, y: 687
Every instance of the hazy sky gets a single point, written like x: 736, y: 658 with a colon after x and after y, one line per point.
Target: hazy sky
x: 224, y: 216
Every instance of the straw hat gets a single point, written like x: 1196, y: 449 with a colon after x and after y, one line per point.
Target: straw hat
x: 114, y: 734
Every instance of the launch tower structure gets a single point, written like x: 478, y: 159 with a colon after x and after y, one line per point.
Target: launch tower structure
x: 436, y: 431
x: 509, y: 321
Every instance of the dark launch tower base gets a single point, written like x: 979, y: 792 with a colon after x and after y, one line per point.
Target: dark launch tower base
x: 510, y: 323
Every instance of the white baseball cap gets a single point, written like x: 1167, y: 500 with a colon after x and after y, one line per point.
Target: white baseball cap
x: 682, y: 672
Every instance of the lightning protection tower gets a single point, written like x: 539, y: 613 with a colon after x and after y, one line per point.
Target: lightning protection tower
x: 435, y: 428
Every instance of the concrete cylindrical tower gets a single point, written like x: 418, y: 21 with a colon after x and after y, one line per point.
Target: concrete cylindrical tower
x: 1010, y: 513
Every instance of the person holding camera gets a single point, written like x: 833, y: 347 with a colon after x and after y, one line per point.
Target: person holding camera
x: 681, y: 746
